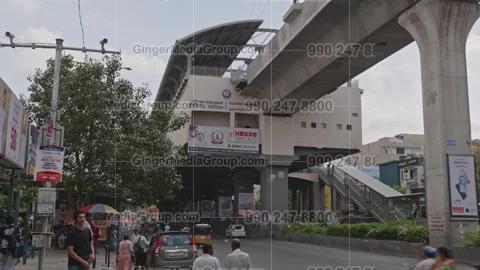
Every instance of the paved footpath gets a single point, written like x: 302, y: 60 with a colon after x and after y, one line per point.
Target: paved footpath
x: 57, y: 260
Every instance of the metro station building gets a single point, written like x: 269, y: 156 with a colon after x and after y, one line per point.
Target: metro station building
x: 226, y: 122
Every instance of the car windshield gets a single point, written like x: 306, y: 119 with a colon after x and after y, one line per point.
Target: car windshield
x: 202, y: 230
x: 238, y: 227
x: 175, y: 239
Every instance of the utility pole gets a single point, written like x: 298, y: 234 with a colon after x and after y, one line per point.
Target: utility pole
x: 52, y: 126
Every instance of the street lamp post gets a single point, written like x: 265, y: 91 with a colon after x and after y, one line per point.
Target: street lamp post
x: 52, y: 141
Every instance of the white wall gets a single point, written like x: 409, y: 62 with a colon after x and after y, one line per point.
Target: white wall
x: 285, y: 131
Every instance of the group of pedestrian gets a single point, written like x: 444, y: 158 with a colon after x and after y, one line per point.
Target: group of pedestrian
x: 237, y: 260
x: 132, y: 251
x: 11, y: 244
x: 436, y: 259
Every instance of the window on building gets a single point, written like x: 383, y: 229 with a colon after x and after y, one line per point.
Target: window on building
x: 349, y: 127
x: 313, y: 125
x: 303, y: 124
x: 339, y: 126
x: 400, y: 151
x: 414, y: 174
x: 324, y: 125
x: 354, y: 114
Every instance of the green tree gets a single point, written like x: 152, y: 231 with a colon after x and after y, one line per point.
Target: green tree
x: 106, y: 123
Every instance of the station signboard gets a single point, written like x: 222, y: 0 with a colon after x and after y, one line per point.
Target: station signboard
x: 223, y: 140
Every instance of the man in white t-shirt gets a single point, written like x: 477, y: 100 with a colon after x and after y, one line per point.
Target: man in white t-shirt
x: 207, y: 261
x: 238, y: 260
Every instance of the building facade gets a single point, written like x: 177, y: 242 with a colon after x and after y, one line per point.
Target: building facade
x: 223, y: 123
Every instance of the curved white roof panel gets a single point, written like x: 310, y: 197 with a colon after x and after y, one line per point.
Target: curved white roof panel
x: 205, y: 46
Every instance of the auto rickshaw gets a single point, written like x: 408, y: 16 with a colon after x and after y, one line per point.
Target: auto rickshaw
x: 202, y: 234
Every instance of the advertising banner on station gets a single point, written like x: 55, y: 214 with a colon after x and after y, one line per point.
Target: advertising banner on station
x: 245, y: 203
x: 49, y: 164
x: 225, y: 206
x: 223, y: 139
x: 463, y: 186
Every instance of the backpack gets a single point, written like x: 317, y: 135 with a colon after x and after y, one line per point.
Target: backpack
x: 11, y: 243
x: 138, y: 245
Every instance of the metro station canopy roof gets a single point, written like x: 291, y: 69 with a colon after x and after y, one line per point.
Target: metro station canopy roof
x: 228, y: 35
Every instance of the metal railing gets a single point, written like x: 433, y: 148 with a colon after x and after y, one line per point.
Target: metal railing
x: 366, y: 198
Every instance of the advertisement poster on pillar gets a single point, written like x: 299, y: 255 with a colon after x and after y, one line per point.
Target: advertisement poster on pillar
x: 462, y: 184
x: 49, y: 164
x: 223, y: 139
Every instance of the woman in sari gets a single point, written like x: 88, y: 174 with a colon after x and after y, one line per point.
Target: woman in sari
x: 125, y: 254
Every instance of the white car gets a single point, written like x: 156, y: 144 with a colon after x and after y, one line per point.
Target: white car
x: 235, y: 231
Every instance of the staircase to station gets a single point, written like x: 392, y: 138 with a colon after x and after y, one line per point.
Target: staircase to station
x: 367, y: 193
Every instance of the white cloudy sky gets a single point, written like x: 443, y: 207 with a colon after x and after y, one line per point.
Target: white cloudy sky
x: 392, y: 99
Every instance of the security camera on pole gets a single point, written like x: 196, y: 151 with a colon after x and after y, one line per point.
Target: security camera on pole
x: 51, y: 146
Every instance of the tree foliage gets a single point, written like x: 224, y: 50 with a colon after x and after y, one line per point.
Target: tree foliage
x: 106, y: 123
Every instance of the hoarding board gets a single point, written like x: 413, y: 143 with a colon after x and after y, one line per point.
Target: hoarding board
x: 13, y: 128
x: 225, y: 206
x: 463, y: 186
x: 4, y: 98
x: 245, y: 203
x: 33, y: 140
x: 223, y: 139
x: 46, y: 201
x: 49, y: 164
x: 14, y: 131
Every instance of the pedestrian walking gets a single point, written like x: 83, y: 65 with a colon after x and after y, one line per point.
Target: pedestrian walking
x: 125, y: 254
x: 11, y: 247
x: 95, y: 234
x: 140, y: 247
x: 444, y: 260
x: 238, y: 260
x: 206, y: 261
x: 80, y: 249
x: 429, y: 259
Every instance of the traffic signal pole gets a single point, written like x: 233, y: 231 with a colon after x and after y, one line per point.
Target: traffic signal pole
x: 59, y: 48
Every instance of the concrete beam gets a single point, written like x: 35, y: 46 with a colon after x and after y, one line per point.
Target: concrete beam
x: 285, y: 69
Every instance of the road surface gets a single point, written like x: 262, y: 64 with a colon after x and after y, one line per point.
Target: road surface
x: 281, y: 255
x: 273, y: 255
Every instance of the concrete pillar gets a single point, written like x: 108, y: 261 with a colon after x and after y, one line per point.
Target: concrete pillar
x: 242, y: 183
x: 440, y: 28
x: 236, y: 190
x: 294, y: 199
x: 274, y: 190
x: 317, y: 196
x: 334, y: 200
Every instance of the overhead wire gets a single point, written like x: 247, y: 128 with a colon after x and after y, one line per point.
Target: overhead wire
x: 81, y: 26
